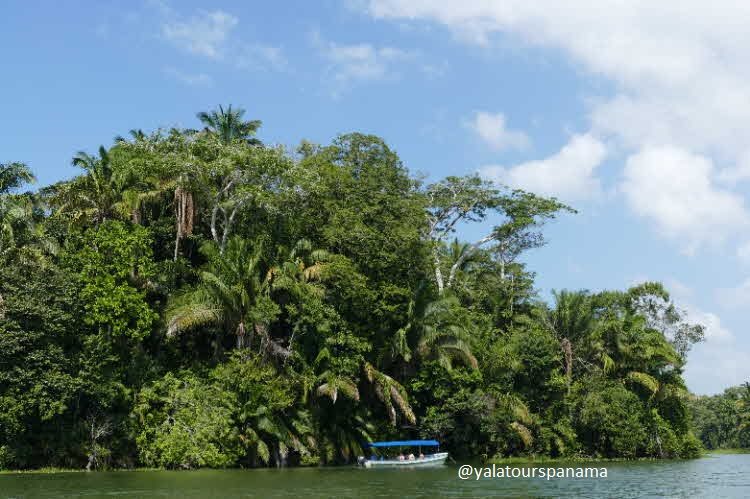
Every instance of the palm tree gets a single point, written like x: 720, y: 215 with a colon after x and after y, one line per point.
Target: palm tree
x: 15, y: 213
x: 175, y: 184
x: 20, y: 233
x: 100, y: 194
x: 434, y: 329
x: 232, y: 293
x: 14, y: 175
x: 270, y: 433
x: 298, y: 270
x: 135, y: 133
x: 333, y: 399
x: 229, y: 126
x: 297, y: 273
x: 391, y: 393
x: 570, y: 321
x: 20, y: 236
x: 387, y: 390
x: 340, y: 435
x: 14, y: 210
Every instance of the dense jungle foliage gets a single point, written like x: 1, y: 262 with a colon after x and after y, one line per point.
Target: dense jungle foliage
x: 198, y: 298
x: 723, y: 421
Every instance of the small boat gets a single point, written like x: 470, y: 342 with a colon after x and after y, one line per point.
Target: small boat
x: 409, y: 460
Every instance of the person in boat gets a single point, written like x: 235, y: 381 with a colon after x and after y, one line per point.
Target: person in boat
x: 400, y: 457
x: 421, y: 456
x: 411, y: 457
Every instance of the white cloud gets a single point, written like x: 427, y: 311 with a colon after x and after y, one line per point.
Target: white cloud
x: 678, y: 79
x: 673, y: 188
x: 190, y: 79
x: 491, y: 128
x: 203, y: 34
x: 678, y: 65
x: 682, y: 295
x: 570, y: 174
x: 213, y: 35
x: 363, y: 61
x: 715, y: 332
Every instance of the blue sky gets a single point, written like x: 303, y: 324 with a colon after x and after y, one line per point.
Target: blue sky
x: 635, y: 119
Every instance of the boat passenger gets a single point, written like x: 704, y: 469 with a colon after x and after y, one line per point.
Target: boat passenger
x: 400, y: 457
x: 421, y: 456
x: 411, y: 457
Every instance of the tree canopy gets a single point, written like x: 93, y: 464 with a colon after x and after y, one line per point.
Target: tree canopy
x: 197, y: 298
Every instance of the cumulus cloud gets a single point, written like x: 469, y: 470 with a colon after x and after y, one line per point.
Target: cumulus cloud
x: 492, y: 129
x: 212, y: 34
x: 674, y: 189
x: 678, y: 77
x: 672, y: 76
x: 715, y: 331
x: 570, y: 174
x: 203, y: 34
x: 361, y: 61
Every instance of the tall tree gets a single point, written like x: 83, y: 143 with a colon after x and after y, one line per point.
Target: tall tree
x: 101, y: 193
x: 228, y: 124
x: 436, y: 328
x: 14, y: 175
x: 455, y: 201
x: 232, y: 293
x: 571, y: 320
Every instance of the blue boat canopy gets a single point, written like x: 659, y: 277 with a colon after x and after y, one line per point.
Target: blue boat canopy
x: 406, y: 443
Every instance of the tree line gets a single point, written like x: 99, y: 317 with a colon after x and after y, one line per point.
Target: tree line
x: 722, y: 421
x: 197, y: 298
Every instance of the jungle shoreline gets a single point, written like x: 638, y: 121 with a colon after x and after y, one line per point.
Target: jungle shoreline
x: 519, y: 460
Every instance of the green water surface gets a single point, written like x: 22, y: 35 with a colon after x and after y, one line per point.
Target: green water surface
x: 714, y: 476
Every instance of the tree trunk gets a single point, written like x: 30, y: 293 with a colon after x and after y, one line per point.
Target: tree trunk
x: 177, y: 246
x: 658, y: 442
x: 240, y: 335
x: 438, y: 272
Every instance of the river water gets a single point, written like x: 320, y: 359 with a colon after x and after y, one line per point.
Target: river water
x: 713, y: 476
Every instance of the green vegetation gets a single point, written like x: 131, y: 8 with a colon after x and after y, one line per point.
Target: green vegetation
x: 196, y: 298
x: 722, y: 422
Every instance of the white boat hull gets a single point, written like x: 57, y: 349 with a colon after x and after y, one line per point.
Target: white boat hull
x: 430, y: 460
